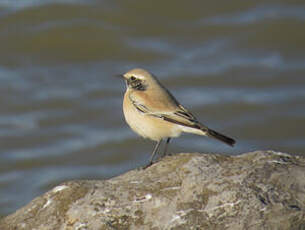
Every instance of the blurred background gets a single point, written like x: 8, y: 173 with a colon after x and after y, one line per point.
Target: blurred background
x: 239, y: 66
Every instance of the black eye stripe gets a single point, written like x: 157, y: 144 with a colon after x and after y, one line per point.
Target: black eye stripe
x: 132, y: 78
x: 136, y: 84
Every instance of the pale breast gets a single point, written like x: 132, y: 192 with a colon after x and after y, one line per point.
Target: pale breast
x: 146, y: 125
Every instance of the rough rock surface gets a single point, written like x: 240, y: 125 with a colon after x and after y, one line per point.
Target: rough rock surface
x: 258, y: 190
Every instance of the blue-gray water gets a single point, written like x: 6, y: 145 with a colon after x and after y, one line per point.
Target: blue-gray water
x: 239, y: 66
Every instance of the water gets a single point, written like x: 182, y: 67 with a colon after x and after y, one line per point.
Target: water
x: 238, y: 67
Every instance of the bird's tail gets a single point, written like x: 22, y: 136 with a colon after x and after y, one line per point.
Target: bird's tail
x: 200, y: 129
x: 219, y: 136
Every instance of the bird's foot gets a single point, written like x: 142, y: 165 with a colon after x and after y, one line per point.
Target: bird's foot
x: 145, y: 166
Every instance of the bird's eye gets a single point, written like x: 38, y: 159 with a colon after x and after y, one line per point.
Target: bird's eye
x: 132, y: 78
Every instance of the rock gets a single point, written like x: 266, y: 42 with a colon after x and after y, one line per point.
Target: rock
x: 258, y: 190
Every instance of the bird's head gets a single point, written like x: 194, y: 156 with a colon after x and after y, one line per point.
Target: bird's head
x: 139, y: 79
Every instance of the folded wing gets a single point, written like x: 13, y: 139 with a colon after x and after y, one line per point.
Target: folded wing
x: 180, y: 116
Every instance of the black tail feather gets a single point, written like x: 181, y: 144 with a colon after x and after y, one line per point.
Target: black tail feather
x: 220, y: 137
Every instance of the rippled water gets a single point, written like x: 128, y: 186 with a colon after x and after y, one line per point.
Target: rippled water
x: 239, y: 66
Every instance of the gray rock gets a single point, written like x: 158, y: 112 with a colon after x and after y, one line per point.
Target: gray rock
x: 259, y: 190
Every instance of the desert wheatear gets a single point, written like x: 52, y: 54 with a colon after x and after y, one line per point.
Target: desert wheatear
x: 152, y: 111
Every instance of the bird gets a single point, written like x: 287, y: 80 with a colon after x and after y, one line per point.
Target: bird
x: 153, y: 112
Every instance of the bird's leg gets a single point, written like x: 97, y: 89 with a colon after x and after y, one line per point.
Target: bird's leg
x: 166, y: 146
x: 154, y: 153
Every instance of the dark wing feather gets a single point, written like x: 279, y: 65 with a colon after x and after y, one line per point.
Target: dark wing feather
x: 182, y: 117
